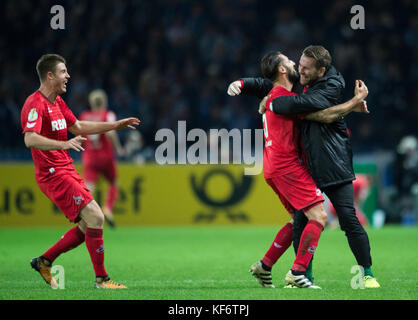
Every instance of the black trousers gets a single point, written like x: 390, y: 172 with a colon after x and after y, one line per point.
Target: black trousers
x: 342, y: 198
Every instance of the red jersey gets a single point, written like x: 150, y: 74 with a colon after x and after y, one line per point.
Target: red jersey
x: 51, y: 121
x: 98, y: 145
x: 282, y: 150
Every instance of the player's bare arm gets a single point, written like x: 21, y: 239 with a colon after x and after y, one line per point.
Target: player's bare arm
x: 36, y: 141
x: 337, y: 112
x: 93, y: 127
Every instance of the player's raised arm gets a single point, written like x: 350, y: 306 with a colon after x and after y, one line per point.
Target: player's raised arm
x: 337, y: 112
x: 93, y: 127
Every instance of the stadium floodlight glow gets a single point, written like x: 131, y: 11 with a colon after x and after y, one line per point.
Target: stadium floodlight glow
x: 206, y: 148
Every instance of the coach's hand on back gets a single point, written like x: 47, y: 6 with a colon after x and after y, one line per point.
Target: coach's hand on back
x: 262, y: 105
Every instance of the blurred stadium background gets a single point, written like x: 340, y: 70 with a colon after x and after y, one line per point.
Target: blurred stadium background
x: 170, y: 60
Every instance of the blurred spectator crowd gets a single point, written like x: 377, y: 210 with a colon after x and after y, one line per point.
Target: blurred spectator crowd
x: 170, y: 60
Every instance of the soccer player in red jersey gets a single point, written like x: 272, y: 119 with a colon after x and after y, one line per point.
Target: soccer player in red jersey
x: 101, y: 146
x: 286, y: 172
x: 45, y: 118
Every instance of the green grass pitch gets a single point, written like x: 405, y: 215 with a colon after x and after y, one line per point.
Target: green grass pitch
x: 205, y: 263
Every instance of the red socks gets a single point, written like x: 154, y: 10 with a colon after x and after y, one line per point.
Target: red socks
x: 94, y: 243
x: 73, y: 238
x: 280, y: 244
x: 112, y: 196
x: 308, y: 243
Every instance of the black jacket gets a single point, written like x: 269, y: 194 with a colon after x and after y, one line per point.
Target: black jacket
x: 327, y: 146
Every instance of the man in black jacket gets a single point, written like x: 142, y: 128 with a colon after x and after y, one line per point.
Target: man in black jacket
x: 327, y: 146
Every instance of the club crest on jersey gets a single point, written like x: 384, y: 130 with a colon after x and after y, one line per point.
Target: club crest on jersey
x: 78, y: 200
x: 58, y: 124
x: 33, y: 115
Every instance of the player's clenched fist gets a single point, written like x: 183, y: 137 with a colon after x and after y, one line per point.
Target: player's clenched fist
x: 234, y: 88
x: 75, y: 143
x: 127, y: 123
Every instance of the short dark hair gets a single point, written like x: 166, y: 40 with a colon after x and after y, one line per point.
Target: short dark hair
x: 320, y: 54
x: 269, y: 64
x: 47, y: 63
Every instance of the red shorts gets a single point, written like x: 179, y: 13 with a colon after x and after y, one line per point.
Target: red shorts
x: 93, y: 168
x: 296, y: 190
x: 66, y: 189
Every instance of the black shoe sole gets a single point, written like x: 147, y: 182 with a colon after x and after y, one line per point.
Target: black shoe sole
x: 34, y: 263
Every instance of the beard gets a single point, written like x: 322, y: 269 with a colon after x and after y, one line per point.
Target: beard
x: 293, y: 75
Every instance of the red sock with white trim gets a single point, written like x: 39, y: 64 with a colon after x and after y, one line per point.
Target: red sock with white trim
x: 281, y: 242
x: 95, y: 246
